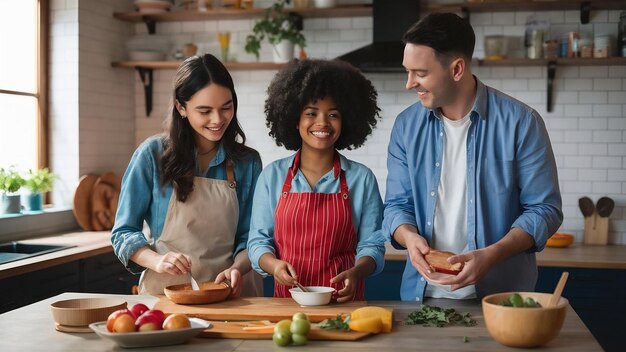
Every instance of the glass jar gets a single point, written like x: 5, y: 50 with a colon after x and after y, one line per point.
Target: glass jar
x: 586, y: 48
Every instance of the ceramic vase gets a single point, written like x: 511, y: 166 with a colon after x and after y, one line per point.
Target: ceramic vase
x: 10, y: 204
x: 33, y: 201
x: 283, y: 51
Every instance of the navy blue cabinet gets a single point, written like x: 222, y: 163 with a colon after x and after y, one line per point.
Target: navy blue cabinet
x: 597, y: 295
x: 99, y: 274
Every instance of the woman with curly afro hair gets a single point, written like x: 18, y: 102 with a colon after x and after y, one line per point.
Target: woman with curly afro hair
x: 316, y: 214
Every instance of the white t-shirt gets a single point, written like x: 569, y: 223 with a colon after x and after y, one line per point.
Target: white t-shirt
x: 450, y: 223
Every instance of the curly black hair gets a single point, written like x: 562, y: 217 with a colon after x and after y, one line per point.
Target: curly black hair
x: 301, y: 82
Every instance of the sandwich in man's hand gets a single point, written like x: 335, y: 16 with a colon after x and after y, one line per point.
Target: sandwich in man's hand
x: 438, y: 261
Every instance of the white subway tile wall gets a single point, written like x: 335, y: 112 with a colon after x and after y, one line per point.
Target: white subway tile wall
x: 587, y: 125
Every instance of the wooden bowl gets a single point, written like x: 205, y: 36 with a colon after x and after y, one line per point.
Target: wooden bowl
x: 523, y: 327
x: 209, y: 292
x: 560, y: 240
x: 82, y: 312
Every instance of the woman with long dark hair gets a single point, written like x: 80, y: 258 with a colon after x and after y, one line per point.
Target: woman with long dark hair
x: 193, y: 186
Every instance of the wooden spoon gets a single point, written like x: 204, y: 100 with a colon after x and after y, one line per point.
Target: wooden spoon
x: 304, y: 289
x: 558, y: 290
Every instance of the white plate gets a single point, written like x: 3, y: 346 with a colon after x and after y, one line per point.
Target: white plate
x: 436, y: 278
x: 151, y: 338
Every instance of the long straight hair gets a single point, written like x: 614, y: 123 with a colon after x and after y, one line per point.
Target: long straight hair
x: 178, y: 161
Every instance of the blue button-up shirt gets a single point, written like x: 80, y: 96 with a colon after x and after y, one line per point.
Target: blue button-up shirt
x: 365, y: 200
x: 143, y: 198
x: 511, y: 182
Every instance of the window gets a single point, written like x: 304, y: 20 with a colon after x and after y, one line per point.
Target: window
x: 23, y: 83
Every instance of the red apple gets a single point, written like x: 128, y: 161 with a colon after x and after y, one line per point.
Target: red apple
x: 115, y: 315
x: 176, y: 321
x: 152, y: 316
x: 138, y: 309
x: 158, y: 313
x: 149, y: 322
x: 124, y: 323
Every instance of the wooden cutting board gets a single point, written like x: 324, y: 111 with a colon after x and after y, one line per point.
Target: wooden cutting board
x: 234, y: 330
x: 257, y: 308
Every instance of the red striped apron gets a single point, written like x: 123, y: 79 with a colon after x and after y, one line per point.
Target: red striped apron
x: 314, y: 233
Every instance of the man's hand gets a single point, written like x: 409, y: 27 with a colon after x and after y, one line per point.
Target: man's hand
x: 416, y: 245
x: 477, y: 264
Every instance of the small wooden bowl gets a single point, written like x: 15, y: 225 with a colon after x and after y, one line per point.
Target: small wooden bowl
x: 82, y: 312
x: 520, y: 326
x: 209, y: 292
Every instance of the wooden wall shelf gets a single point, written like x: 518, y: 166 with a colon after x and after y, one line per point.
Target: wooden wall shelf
x: 524, y: 5
x: 222, y: 14
x: 165, y: 65
x: 560, y: 61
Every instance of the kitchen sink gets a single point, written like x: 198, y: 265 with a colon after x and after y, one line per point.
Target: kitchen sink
x: 13, y: 251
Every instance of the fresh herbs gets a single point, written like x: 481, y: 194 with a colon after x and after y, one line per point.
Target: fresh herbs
x: 338, y: 323
x: 440, y: 317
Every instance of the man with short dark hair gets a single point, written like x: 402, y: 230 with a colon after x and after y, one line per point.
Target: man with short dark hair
x: 470, y: 171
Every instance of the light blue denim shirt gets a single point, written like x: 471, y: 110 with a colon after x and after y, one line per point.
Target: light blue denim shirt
x: 142, y: 198
x: 365, y: 200
x: 511, y: 182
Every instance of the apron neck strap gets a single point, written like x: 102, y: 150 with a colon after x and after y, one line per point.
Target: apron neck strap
x: 295, y: 165
x: 230, y: 174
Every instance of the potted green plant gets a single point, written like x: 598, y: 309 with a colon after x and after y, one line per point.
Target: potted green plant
x: 282, y: 30
x: 38, y: 182
x: 10, y: 183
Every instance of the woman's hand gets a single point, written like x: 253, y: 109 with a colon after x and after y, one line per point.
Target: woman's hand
x: 284, y: 273
x: 232, y: 276
x: 350, y: 279
x: 173, y: 263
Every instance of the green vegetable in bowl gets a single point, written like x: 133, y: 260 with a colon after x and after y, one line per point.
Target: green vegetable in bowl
x: 516, y: 300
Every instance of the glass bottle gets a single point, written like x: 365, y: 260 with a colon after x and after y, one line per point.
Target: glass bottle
x: 621, y: 37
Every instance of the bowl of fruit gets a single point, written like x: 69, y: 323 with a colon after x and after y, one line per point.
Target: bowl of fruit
x: 523, y: 319
x: 140, y: 326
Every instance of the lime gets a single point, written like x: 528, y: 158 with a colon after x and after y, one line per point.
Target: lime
x: 300, y: 327
x: 300, y: 315
x: 281, y: 338
x: 299, y: 340
x: 282, y: 326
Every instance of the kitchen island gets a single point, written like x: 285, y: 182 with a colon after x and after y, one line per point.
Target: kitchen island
x: 31, y: 328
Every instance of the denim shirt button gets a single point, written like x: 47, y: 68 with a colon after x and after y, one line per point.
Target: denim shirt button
x: 421, y: 279
x: 432, y: 194
x: 428, y: 223
x: 437, y: 164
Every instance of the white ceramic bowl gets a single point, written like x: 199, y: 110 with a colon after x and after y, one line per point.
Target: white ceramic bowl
x: 324, y: 3
x: 318, y: 295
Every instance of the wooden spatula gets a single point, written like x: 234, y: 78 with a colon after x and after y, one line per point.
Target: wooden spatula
x: 556, y: 295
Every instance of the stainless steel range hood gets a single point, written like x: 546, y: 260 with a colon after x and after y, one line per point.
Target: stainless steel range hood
x: 391, y: 19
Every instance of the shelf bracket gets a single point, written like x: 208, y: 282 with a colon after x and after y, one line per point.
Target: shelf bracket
x: 146, y: 78
x: 585, y: 9
x: 551, y: 74
x: 465, y: 13
x: 150, y: 23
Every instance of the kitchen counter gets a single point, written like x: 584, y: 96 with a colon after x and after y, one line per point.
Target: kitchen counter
x: 577, y: 255
x: 92, y: 243
x: 87, y: 244
x: 31, y: 328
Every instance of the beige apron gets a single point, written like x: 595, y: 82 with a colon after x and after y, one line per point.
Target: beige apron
x: 203, y: 227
